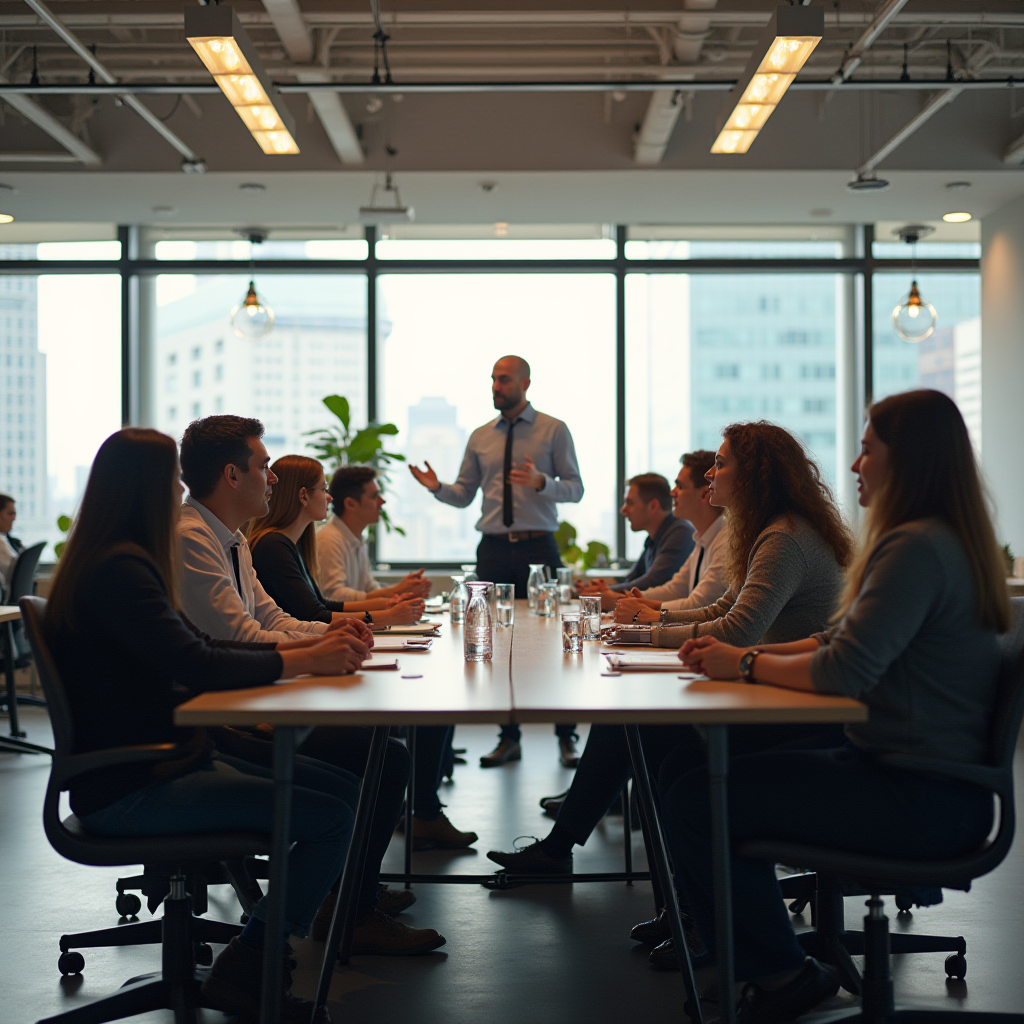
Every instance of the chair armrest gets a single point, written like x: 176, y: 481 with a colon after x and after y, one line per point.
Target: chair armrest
x: 68, y: 768
x: 978, y: 774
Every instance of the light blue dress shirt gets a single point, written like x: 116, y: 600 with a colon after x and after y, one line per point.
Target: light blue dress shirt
x: 548, y: 442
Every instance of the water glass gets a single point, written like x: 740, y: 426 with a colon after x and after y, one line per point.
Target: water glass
x: 590, y: 612
x: 458, y: 599
x: 564, y: 585
x: 547, y: 600
x: 506, y: 596
x: 469, y: 572
x: 572, y: 632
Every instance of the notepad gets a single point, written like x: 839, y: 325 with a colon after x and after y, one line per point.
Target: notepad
x: 648, y: 661
x: 378, y: 664
x: 415, y: 629
x: 385, y: 642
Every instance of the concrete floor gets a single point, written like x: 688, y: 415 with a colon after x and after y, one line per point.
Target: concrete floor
x: 543, y: 954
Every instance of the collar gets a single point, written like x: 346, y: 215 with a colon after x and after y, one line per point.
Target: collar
x: 705, y: 538
x: 226, y: 538
x: 343, y: 528
x: 528, y: 415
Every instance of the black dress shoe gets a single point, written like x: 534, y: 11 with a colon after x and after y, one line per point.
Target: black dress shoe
x: 532, y: 860
x: 653, y: 932
x: 545, y: 800
x: 813, y: 985
x: 665, y: 958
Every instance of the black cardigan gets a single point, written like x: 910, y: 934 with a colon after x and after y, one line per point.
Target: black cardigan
x: 130, y: 660
x: 284, y: 576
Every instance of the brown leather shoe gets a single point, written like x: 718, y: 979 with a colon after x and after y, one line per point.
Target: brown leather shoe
x: 381, y: 935
x: 439, y: 834
x: 505, y: 751
x: 393, y: 901
x: 567, y: 752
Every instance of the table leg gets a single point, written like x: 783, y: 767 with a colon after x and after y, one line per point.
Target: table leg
x: 718, y: 773
x: 339, y: 935
x: 284, y: 768
x: 627, y: 830
x: 660, y: 867
x: 12, y: 695
x: 410, y: 799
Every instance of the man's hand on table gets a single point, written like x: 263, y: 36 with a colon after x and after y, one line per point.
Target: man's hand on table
x: 712, y: 658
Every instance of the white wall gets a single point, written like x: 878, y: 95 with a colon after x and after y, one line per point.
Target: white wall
x: 1002, y: 366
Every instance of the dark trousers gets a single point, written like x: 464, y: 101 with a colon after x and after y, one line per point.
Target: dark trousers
x: 838, y: 797
x: 499, y: 561
x: 432, y: 743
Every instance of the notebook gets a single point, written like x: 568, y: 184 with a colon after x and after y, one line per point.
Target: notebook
x: 384, y: 642
x: 648, y: 661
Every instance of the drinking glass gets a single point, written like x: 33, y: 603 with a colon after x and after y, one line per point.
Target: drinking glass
x: 590, y: 611
x: 458, y: 599
x: 478, y: 633
x: 564, y: 585
x: 492, y: 598
x: 572, y: 632
x: 506, y: 595
x: 547, y: 600
x: 536, y: 578
x: 469, y: 572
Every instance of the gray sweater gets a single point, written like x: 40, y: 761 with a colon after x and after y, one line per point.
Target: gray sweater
x: 791, y: 591
x: 911, y: 649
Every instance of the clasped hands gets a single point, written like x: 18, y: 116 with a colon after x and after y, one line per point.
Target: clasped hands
x: 712, y: 658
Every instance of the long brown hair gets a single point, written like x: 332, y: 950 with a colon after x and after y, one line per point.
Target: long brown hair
x: 293, y: 472
x: 130, y: 497
x: 933, y: 474
x: 775, y: 476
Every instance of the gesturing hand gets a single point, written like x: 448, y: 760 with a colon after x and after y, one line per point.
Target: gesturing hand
x: 414, y: 584
x: 525, y: 474
x: 427, y: 476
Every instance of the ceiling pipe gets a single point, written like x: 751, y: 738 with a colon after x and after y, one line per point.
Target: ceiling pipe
x: 77, y: 150
x: 872, y: 32
x: 129, y: 100
x: 930, y: 109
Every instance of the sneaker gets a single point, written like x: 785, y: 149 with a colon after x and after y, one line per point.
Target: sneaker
x: 567, y: 752
x: 439, y: 834
x: 381, y: 935
x: 813, y: 985
x: 505, y: 751
x: 393, y: 901
x: 235, y: 982
x: 532, y: 860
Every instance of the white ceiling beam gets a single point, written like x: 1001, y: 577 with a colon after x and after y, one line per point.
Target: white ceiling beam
x: 871, y: 33
x: 928, y: 111
x: 297, y: 39
x: 57, y: 130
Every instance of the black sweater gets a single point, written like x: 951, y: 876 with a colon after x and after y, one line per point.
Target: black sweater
x: 284, y: 576
x: 130, y: 660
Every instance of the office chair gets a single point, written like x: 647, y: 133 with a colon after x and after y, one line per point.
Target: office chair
x: 877, y: 1006
x: 176, y: 986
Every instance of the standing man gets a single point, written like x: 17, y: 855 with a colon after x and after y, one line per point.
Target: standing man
x: 525, y: 463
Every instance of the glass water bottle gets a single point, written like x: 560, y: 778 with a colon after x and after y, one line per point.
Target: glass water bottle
x: 478, y: 632
x: 538, y: 574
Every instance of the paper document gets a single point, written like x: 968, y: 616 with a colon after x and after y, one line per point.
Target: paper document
x: 415, y: 629
x: 648, y: 661
x: 386, y: 642
x: 378, y: 663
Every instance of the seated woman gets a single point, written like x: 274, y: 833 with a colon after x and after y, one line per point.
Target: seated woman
x: 284, y: 556
x: 916, y: 642
x: 127, y: 658
x: 788, y: 546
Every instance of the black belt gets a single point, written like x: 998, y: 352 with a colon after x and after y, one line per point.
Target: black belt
x: 514, y: 538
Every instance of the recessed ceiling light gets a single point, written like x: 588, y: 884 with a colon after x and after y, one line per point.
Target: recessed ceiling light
x: 6, y: 218
x: 956, y: 186
x: 252, y: 188
x: 867, y: 185
x: 956, y: 218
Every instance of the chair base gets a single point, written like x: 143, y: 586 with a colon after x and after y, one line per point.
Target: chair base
x: 141, y: 933
x: 144, y: 994
x: 914, y: 1015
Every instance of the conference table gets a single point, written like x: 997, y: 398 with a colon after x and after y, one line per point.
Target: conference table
x: 529, y: 679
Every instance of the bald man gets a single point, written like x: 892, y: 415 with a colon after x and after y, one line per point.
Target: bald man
x: 525, y: 463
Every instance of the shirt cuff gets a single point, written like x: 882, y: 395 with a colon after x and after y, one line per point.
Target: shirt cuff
x: 547, y: 480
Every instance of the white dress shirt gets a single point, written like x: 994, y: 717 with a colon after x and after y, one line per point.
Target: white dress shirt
x: 344, y: 563
x: 210, y: 597
x: 684, y: 590
x: 7, y: 556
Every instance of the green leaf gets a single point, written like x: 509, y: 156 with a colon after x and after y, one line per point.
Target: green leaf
x: 63, y: 523
x: 392, y: 455
x: 58, y: 548
x: 565, y: 536
x: 385, y: 428
x: 340, y: 407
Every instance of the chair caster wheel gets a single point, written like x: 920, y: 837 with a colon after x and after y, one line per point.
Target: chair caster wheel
x: 956, y: 966
x: 797, y: 907
x: 903, y: 904
x: 127, y: 904
x: 204, y: 954
x: 71, y: 963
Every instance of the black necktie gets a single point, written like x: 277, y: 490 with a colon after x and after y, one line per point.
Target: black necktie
x: 506, y: 498
x: 700, y: 558
x: 238, y: 574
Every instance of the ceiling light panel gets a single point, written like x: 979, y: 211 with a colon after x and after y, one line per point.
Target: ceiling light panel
x: 216, y: 35
x: 783, y: 49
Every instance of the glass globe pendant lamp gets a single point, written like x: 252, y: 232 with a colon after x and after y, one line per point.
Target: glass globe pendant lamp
x: 252, y: 319
x: 914, y: 318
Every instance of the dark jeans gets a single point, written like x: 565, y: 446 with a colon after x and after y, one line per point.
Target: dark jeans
x: 499, y: 561
x: 670, y: 750
x: 838, y: 798
x: 226, y: 793
x: 432, y: 742
x: 347, y: 748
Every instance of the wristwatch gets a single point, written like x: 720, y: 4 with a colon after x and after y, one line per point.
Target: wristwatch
x: 368, y: 618
x: 747, y: 666
x: 663, y: 615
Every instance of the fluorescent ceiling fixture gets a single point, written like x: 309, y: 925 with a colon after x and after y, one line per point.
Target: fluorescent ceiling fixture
x: 783, y: 49
x: 6, y: 218
x: 956, y: 218
x: 217, y: 37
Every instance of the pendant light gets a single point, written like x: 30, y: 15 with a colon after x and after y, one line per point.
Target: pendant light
x: 252, y: 318
x: 914, y: 318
